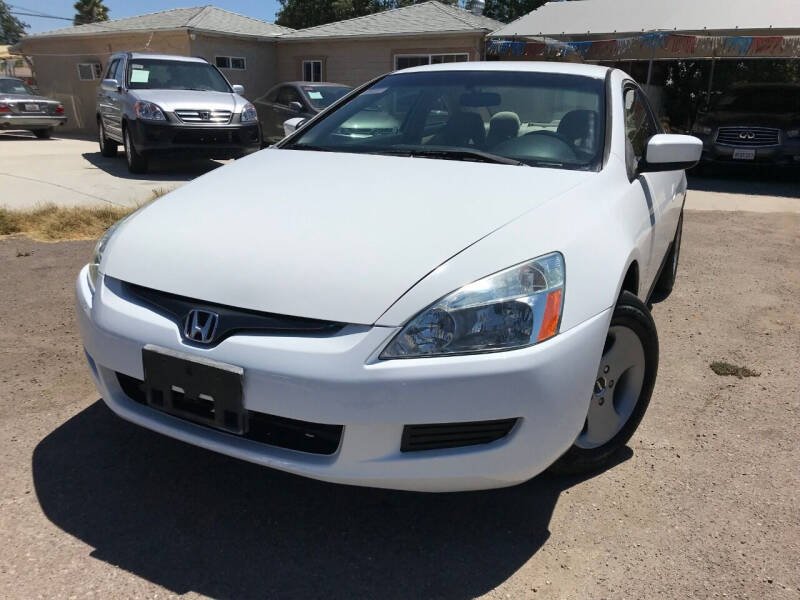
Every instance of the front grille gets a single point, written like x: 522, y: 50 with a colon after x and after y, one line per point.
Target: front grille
x: 433, y: 436
x: 750, y: 137
x: 303, y: 436
x: 231, y: 320
x: 203, y: 116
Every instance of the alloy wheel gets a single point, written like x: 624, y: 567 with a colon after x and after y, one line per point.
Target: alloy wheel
x: 616, y: 389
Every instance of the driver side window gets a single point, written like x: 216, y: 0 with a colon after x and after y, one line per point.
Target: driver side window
x: 639, y: 127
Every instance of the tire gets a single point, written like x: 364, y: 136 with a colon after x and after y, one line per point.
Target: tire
x: 621, y: 394
x: 137, y: 163
x: 43, y: 134
x: 108, y: 148
x: 666, y: 280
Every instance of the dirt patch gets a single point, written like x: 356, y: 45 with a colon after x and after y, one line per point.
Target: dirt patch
x: 705, y: 504
x: 723, y: 368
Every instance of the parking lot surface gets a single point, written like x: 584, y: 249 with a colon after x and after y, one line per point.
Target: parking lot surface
x: 705, y: 503
x: 72, y: 172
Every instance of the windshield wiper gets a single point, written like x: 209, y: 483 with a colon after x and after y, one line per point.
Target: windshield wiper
x: 457, y: 154
x: 312, y: 148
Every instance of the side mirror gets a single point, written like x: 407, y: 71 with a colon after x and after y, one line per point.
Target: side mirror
x: 238, y: 89
x: 671, y: 152
x: 295, y: 106
x: 109, y: 85
x: 292, y: 125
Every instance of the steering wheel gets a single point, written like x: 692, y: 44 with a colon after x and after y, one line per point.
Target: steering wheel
x: 538, y: 145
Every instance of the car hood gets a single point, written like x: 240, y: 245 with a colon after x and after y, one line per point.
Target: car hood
x: 322, y: 235
x: 752, y: 119
x: 170, y: 100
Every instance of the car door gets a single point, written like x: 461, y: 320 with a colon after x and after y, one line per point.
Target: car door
x: 115, y: 100
x: 656, y: 190
x: 104, y: 98
x: 281, y: 111
x: 264, y: 108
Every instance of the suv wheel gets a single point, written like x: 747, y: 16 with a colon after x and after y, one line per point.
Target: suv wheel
x: 43, y: 134
x: 136, y: 162
x: 622, y: 390
x: 108, y: 147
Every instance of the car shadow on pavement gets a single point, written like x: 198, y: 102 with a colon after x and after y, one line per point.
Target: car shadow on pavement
x: 192, y: 520
x: 166, y: 169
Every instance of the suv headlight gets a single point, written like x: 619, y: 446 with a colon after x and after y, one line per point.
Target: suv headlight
x: 249, y: 113
x: 793, y: 133
x: 149, y: 111
x: 97, y: 255
x: 517, y: 307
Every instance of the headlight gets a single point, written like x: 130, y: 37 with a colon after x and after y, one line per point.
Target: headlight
x: 249, y: 113
x: 149, y: 111
x: 704, y: 129
x: 514, y: 308
x: 97, y: 255
x: 793, y: 133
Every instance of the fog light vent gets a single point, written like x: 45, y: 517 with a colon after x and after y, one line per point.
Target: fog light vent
x: 433, y: 436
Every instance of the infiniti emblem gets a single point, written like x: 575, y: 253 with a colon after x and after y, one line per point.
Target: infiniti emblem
x: 747, y: 135
x: 200, y: 325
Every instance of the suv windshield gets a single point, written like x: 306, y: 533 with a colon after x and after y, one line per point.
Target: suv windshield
x: 156, y: 74
x: 542, y: 119
x: 14, y: 86
x: 763, y: 100
x: 322, y: 96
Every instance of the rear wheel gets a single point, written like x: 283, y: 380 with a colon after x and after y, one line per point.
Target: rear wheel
x: 666, y: 281
x: 43, y: 134
x: 108, y: 147
x: 137, y: 163
x: 622, y: 389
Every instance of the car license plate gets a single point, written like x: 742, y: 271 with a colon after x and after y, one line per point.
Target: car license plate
x: 744, y: 154
x: 32, y: 107
x: 193, y: 388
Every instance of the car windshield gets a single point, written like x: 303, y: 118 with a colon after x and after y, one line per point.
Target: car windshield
x: 763, y: 100
x: 322, y: 96
x: 14, y: 86
x: 541, y: 119
x: 155, y: 74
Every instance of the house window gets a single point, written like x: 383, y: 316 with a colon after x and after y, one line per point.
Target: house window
x: 406, y: 61
x: 312, y: 70
x: 235, y: 63
x: 89, y: 71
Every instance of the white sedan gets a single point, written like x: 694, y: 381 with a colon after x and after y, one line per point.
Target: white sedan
x: 456, y: 302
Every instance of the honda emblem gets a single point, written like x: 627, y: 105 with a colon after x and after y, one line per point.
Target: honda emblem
x: 200, y: 325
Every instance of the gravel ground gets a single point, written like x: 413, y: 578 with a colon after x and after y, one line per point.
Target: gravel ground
x: 704, y: 504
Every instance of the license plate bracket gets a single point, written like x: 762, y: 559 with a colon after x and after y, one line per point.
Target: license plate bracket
x: 744, y: 154
x: 194, y: 388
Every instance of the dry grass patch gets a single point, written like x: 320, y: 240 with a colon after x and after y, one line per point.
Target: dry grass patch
x: 51, y: 223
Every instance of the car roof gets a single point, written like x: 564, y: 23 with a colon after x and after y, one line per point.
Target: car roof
x: 138, y: 55
x: 594, y: 71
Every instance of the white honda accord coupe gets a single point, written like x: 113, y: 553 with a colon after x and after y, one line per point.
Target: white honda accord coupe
x: 440, y: 283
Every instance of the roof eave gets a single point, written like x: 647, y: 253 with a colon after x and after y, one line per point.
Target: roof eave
x: 372, y: 36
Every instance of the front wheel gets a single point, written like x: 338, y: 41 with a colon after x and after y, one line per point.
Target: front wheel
x: 622, y: 388
x: 137, y: 163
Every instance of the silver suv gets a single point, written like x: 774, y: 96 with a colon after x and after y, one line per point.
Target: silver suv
x: 164, y: 104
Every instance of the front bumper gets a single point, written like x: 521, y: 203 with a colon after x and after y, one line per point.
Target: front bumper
x: 332, y: 380
x: 218, y: 141
x: 785, y: 154
x: 12, y: 121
